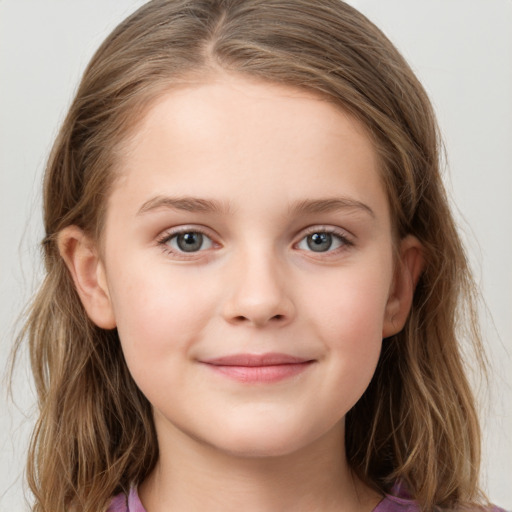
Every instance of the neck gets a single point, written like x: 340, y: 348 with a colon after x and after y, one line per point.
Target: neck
x: 191, y: 476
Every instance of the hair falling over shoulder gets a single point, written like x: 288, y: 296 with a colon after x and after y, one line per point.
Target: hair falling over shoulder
x: 417, y: 421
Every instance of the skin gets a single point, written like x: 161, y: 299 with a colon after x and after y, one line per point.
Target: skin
x: 258, y: 151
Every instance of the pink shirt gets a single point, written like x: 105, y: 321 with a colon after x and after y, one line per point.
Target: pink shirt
x: 131, y: 503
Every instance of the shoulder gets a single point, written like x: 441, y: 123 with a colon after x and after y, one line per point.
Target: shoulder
x: 119, y: 503
x: 400, y: 500
x: 126, y: 502
x: 396, y: 504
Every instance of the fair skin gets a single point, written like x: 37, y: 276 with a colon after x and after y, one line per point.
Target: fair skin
x: 248, y: 264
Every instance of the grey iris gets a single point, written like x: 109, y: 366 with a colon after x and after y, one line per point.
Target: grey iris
x: 189, y: 242
x: 319, y: 242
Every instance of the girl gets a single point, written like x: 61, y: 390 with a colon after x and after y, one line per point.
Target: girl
x: 253, y: 277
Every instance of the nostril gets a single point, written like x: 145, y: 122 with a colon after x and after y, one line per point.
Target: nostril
x: 242, y: 318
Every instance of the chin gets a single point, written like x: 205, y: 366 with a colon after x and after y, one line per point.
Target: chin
x: 262, y: 441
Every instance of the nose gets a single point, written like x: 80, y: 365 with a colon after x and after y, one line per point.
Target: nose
x: 258, y: 293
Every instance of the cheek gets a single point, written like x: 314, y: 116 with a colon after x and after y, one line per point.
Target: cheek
x: 348, y: 316
x: 350, y: 302
x: 158, y: 313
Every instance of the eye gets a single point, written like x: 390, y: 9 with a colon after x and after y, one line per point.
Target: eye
x: 188, y: 241
x: 322, y: 241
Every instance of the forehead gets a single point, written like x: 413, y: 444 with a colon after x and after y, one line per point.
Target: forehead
x: 230, y: 100
x: 231, y: 134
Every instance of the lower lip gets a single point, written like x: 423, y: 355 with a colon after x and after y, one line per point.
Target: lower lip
x: 263, y: 374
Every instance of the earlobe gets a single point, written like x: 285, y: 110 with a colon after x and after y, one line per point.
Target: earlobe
x: 81, y: 256
x: 407, y: 273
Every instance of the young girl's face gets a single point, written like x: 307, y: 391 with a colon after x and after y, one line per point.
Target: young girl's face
x: 248, y: 265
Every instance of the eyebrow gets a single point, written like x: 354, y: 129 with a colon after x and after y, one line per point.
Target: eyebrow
x: 199, y: 205
x: 187, y: 204
x: 310, y: 206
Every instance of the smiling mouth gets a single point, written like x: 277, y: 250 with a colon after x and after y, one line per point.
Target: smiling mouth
x: 259, y: 368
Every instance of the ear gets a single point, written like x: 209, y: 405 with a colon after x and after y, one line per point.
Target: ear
x: 407, y: 273
x: 81, y: 256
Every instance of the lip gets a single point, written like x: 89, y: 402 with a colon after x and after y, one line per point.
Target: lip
x: 258, y: 368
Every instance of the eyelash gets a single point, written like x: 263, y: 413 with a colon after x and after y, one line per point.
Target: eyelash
x: 342, y: 237
x: 164, y: 240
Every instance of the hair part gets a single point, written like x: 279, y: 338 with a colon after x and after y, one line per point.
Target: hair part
x: 416, y: 422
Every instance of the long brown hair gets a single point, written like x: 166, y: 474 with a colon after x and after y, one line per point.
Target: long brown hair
x: 416, y: 422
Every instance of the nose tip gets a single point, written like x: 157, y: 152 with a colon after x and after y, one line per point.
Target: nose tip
x: 259, y: 298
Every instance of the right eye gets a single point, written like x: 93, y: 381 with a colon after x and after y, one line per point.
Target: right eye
x: 187, y: 242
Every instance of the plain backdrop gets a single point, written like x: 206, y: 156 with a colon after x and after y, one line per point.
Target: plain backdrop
x: 460, y: 49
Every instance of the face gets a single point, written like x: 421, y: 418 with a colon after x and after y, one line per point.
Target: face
x: 248, y: 265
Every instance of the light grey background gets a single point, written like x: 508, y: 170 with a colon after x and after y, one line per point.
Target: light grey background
x: 461, y: 50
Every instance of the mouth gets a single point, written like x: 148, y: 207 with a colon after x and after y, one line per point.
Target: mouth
x: 259, y: 368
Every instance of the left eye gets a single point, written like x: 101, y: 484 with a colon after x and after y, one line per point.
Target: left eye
x: 190, y: 241
x: 321, y: 241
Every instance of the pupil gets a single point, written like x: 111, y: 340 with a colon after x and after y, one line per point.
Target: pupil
x: 190, y: 242
x: 319, y: 242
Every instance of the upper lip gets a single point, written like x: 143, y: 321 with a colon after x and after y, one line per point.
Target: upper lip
x: 270, y: 359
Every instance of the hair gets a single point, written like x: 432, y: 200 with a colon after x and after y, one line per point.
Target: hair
x: 416, y: 423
